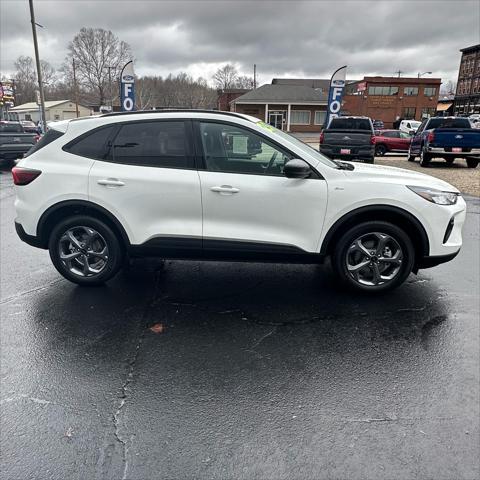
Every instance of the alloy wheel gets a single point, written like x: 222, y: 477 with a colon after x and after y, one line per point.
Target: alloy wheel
x: 374, y: 259
x: 83, y: 251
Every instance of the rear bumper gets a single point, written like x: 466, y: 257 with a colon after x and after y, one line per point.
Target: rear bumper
x: 355, y: 151
x: 32, y: 240
x: 433, y: 261
x: 474, y: 152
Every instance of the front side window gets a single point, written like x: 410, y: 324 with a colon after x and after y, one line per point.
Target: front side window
x: 152, y: 144
x: 233, y: 149
x: 300, y: 117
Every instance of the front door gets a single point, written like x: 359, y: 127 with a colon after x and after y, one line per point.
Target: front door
x: 248, y: 204
x: 276, y: 119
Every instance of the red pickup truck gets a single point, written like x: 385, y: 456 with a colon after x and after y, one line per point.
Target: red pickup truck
x: 391, y: 141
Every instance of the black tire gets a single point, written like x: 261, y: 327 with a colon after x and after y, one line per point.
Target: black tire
x: 105, y: 238
x: 343, y: 249
x: 370, y: 160
x: 380, y: 150
x: 425, y: 158
x: 472, y: 162
x: 449, y: 161
x: 410, y: 157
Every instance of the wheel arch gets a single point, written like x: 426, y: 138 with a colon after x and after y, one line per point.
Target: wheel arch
x: 68, y: 208
x: 395, y: 215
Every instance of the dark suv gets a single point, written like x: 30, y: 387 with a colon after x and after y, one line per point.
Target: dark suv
x: 349, y: 138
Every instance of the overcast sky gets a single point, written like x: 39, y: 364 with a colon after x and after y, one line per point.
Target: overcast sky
x: 284, y: 38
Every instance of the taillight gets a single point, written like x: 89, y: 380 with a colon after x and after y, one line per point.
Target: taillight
x: 321, y: 137
x: 24, y: 176
x: 372, y: 140
x: 431, y: 137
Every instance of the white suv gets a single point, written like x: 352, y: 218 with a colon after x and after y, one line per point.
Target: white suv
x: 224, y: 186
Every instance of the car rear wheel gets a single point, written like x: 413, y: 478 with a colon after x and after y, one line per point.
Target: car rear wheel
x: 425, y: 158
x: 373, y: 256
x: 380, y: 150
x: 370, y: 160
x: 449, y: 161
x: 472, y: 162
x: 85, y: 250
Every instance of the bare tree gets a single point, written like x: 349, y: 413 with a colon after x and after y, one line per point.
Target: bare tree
x: 26, y: 78
x: 449, y: 87
x: 225, y: 77
x: 96, y: 51
x: 244, y: 81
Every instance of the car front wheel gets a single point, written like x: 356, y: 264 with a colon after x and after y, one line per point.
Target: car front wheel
x: 85, y: 250
x: 373, y: 256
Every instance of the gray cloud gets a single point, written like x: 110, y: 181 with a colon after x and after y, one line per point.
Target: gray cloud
x: 308, y: 38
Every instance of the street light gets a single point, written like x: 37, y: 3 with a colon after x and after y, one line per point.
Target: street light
x: 424, y: 73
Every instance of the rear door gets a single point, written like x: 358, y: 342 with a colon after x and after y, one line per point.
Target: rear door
x: 249, y: 206
x: 144, y: 175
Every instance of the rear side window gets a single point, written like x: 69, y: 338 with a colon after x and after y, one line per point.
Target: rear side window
x: 152, y: 144
x: 49, y: 137
x: 93, y: 144
x: 350, y: 124
x: 11, y: 128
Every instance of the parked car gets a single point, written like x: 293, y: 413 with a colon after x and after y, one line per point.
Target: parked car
x: 14, y: 142
x: 349, y: 138
x: 224, y: 186
x: 391, y: 141
x: 448, y: 138
x: 29, y: 127
x: 409, y: 126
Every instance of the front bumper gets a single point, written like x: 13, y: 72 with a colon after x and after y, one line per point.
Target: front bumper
x: 433, y: 261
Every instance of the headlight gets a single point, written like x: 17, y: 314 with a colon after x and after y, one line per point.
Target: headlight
x: 435, y: 196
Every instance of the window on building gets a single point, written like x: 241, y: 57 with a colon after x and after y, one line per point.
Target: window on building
x: 320, y: 117
x: 428, y: 112
x: 233, y: 149
x: 429, y: 91
x: 382, y: 90
x: 300, y: 117
x: 410, y: 91
x: 152, y: 144
x: 409, y: 113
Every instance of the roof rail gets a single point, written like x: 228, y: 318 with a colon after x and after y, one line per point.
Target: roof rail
x: 174, y: 109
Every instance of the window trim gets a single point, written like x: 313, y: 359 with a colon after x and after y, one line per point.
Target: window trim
x: 303, y: 111
x: 315, y: 114
x: 405, y: 94
x: 190, y: 151
x: 201, y: 164
x: 430, y: 94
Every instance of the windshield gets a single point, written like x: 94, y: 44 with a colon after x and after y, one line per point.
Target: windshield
x: 298, y: 143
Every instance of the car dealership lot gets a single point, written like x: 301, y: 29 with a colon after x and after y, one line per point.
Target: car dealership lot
x: 250, y: 371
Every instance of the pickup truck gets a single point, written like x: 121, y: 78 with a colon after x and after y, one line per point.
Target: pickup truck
x: 447, y: 138
x: 14, y: 142
x: 349, y: 138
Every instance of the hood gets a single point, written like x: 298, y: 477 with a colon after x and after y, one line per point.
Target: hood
x: 397, y: 175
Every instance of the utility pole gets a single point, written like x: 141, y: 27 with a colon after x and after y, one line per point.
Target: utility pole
x: 254, y: 76
x: 399, y: 73
x: 75, y: 91
x: 39, y: 70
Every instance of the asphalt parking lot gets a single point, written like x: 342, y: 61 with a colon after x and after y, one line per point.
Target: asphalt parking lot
x: 222, y: 370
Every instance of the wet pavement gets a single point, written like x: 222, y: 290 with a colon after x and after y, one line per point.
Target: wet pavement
x: 252, y: 371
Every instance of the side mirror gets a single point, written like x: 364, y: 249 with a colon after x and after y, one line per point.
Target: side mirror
x: 412, y: 132
x: 297, y: 168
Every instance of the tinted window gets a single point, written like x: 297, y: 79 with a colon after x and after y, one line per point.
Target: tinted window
x: 228, y: 148
x: 391, y: 134
x: 350, y: 124
x: 153, y: 144
x: 11, y: 128
x: 49, y: 137
x: 92, y: 144
x: 449, y: 123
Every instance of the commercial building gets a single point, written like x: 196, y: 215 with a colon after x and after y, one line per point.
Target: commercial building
x: 467, y: 97
x: 392, y: 98
x: 288, y: 104
x: 54, y: 110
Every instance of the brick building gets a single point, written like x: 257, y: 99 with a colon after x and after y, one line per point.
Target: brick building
x: 225, y: 97
x: 391, y: 98
x: 467, y: 97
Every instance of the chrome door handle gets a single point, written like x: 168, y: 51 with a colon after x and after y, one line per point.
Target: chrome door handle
x: 224, y: 189
x: 110, y: 182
